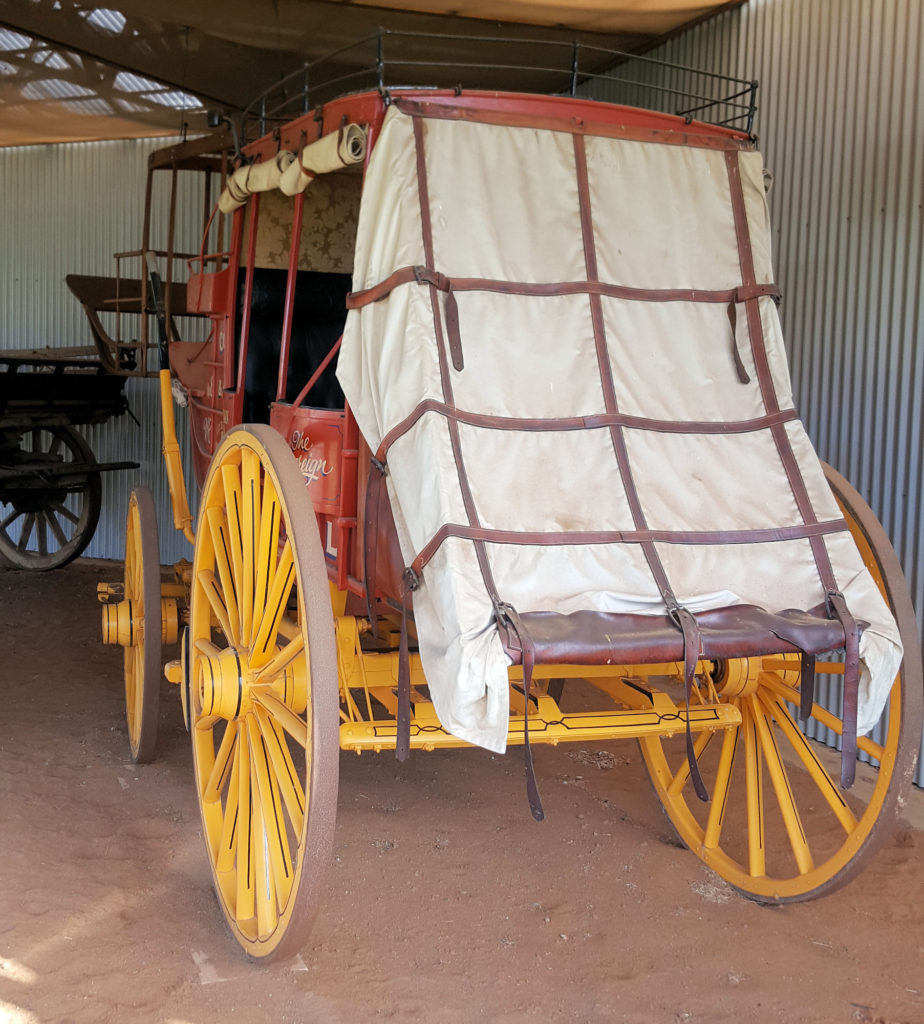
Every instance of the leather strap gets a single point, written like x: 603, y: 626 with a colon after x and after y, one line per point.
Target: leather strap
x: 487, y: 535
x: 375, y: 487
x: 409, y: 583
x: 451, y: 312
x: 807, y: 687
x: 685, y: 621
x: 598, y: 420
x: 427, y: 275
x: 509, y: 621
x: 743, y: 374
x: 468, y: 499
x: 838, y: 606
x: 835, y: 603
x: 418, y: 274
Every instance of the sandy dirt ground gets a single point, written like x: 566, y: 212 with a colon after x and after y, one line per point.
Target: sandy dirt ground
x: 445, y: 902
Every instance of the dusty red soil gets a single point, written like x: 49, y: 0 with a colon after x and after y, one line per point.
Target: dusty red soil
x: 445, y: 901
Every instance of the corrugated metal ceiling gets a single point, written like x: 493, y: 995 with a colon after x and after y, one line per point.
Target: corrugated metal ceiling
x: 76, y: 71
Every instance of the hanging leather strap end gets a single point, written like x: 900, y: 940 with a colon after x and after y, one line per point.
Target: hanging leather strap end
x: 532, y: 787
x: 742, y: 372
x: 509, y: 620
x: 807, y: 687
x: 410, y: 581
x: 837, y: 608
x: 686, y: 623
x: 452, y: 329
x: 375, y: 497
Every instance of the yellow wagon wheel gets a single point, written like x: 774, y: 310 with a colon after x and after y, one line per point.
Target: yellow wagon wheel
x: 264, y: 714
x: 778, y: 827
x: 143, y: 651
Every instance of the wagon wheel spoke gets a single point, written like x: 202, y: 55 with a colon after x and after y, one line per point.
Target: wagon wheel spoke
x: 10, y: 519
x: 55, y: 526
x: 41, y: 533
x: 682, y: 777
x: 289, y: 721
x: 713, y: 831
x: 63, y: 510
x: 243, y: 870
x: 781, y: 785
x: 224, y: 759
x: 285, y: 771
x: 250, y: 493
x: 283, y: 657
x: 824, y: 717
x: 806, y: 753
x: 266, y: 622
x: 226, y: 849
x: 754, y: 795
x: 277, y: 866
x: 215, y: 595
x: 232, y: 511
x: 25, y: 534
x: 266, y: 552
x: 221, y: 542
x: 779, y: 827
x: 263, y: 714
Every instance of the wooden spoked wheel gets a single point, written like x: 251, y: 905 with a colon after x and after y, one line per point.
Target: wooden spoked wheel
x: 143, y: 653
x: 778, y: 827
x: 48, y: 514
x: 264, y: 705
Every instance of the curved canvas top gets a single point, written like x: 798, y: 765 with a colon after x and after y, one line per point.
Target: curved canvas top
x: 617, y: 293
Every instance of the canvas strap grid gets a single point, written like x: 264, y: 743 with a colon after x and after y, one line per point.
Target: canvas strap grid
x: 449, y: 347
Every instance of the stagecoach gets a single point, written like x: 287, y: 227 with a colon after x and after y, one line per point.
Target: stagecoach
x: 494, y: 443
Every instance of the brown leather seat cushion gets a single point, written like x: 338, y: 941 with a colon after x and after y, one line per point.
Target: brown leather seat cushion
x: 738, y: 631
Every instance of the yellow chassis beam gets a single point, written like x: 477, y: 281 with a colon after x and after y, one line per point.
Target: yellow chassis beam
x: 546, y: 725
x: 634, y: 706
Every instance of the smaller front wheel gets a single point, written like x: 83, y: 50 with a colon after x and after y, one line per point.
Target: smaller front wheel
x: 142, y: 601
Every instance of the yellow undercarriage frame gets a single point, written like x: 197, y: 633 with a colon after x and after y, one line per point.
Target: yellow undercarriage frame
x: 630, y: 707
x: 182, y: 518
x: 778, y: 827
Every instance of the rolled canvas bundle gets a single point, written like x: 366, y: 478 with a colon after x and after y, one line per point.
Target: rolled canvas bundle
x: 330, y: 153
x: 292, y: 174
x: 253, y: 178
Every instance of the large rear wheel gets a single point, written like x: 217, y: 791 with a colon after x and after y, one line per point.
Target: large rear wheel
x: 263, y: 716
x: 778, y: 827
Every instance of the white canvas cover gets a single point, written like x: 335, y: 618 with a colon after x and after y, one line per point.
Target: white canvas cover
x: 504, y: 205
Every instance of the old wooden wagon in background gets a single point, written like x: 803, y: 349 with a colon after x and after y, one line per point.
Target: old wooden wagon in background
x: 556, y: 491
x: 50, y: 487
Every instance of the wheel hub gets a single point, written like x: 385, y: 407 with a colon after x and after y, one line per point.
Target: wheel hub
x: 123, y: 623
x: 224, y: 681
x: 738, y: 677
x: 227, y: 683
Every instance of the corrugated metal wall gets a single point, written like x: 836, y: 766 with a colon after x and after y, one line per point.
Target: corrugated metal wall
x: 841, y: 123
x: 66, y: 209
